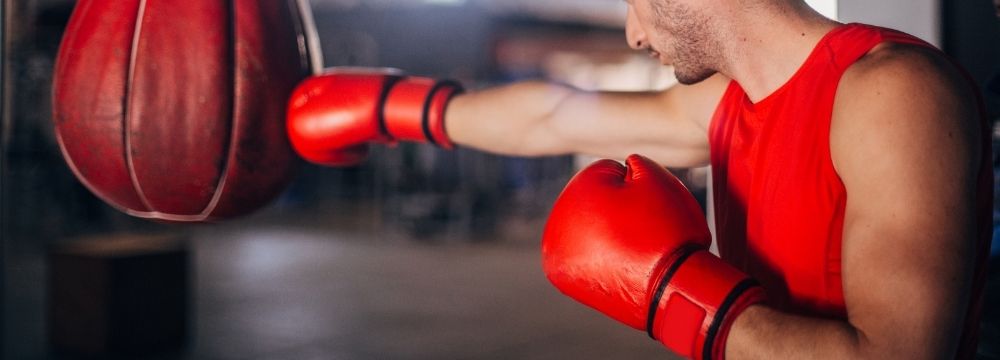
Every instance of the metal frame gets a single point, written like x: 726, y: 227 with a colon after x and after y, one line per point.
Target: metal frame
x: 4, y: 136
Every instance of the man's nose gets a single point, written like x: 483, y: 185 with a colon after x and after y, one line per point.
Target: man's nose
x: 634, y: 35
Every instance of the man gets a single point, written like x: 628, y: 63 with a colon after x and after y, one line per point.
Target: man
x: 850, y: 162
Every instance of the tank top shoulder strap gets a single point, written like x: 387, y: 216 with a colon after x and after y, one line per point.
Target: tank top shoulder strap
x: 850, y: 42
x: 839, y: 49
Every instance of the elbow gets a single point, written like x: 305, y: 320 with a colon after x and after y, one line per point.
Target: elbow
x: 898, y: 346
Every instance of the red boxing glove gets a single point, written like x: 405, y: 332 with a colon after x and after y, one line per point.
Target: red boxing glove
x: 333, y: 117
x: 631, y: 242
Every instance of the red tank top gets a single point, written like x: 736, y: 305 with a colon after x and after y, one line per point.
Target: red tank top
x: 780, y: 203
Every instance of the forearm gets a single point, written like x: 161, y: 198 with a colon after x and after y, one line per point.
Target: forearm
x: 764, y: 333
x: 510, y: 119
x: 537, y: 118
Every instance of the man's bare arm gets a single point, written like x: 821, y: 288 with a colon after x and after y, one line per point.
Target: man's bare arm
x: 904, y: 140
x: 538, y: 118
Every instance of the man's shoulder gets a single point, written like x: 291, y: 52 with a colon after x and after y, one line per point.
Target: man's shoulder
x: 910, y: 96
x: 914, y: 70
x: 906, y: 80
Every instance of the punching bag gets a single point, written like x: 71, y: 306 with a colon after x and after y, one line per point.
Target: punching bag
x: 174, y: 109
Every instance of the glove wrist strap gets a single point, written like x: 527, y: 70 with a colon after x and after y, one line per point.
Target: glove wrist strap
x: 414, y: 110
x: 696, y: 302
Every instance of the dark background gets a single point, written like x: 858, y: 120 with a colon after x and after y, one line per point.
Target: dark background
x: 418, y: 253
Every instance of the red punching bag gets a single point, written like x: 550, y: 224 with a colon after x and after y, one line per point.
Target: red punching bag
x: 174, y: 109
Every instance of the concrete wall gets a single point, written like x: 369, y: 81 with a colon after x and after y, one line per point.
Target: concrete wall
x: 920, y: 18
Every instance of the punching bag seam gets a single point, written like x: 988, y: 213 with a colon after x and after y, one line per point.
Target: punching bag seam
x: 126, y: 114
x: 231, y: 147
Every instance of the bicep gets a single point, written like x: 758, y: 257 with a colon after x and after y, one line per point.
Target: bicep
x: 906, y: 149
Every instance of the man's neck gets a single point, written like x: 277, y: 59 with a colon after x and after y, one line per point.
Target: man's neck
x: 764, y: 51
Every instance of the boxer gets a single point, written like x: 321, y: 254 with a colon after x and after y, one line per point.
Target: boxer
x: 851, y: 173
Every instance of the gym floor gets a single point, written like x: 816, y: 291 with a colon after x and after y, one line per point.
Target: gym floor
x: 337, y: 289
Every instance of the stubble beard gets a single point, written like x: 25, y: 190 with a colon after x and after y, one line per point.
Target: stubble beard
x: 695, y: 51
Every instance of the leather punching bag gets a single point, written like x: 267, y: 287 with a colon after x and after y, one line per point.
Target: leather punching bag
x: 174, y: 109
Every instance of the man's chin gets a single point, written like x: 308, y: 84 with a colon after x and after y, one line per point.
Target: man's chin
x: 693, y: 77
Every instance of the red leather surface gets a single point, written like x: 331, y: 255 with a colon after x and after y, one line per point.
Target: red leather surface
x: 613, y: 230
x: 174, y: 110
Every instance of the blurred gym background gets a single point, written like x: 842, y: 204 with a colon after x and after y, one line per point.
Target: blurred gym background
x: 416, y: 254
